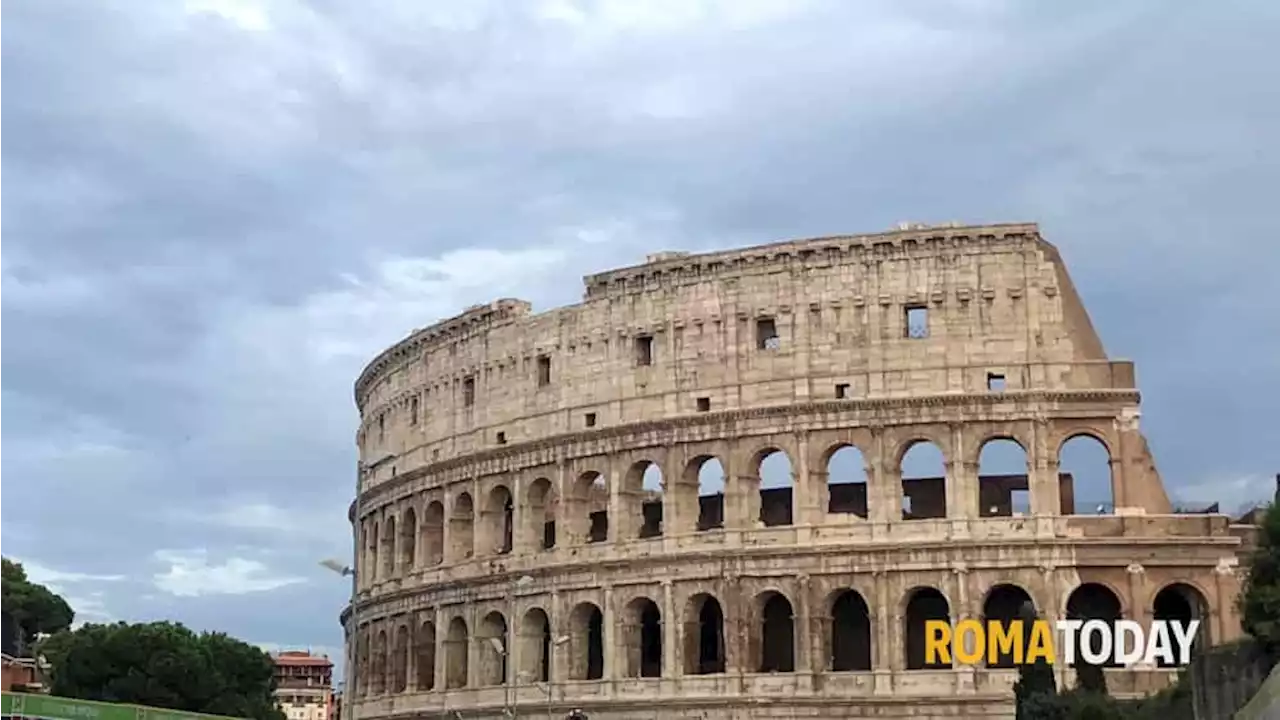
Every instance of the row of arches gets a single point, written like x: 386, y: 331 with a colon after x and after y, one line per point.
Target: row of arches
x: 404, y: 541
x: 769, y: 638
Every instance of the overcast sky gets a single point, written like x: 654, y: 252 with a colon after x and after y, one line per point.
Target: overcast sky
x: 214, y: 213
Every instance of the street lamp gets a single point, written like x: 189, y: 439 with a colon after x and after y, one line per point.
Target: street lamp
x: 352, y: 641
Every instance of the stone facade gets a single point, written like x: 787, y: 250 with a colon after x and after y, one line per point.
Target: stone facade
x: 514, y: 550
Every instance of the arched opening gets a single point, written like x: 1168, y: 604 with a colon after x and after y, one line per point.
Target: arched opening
x: 587, y: 638
x: 493, y: 649
x: 461, y: 526
x: 388, y: 551
x: 643, y: 638
x: 1084, y: 477
x: 925, y: 604
x: 1005, y: 604
x: 775, y: 496
x: 499, y: 515
x: 535, y: 649
x: 426, y: 647
x: 590, y: 508
x: 642, y: 497
x: 1093, y: 601
x: 1182, y: 603
x: 1003, y: 487
x: 456, y: 665
x: 847, y: 482
x: 433, y: 533
x: 923, y: 469
x: 409, y: 539
x: 380, y: 663
x: 400, y: 661
x: 540, y: 518
x: 371, y: 551
x: 704, y: 477
x: 363, y: 659
x: 774, y: 646
x: 850, y: 633
x: 704, y: 636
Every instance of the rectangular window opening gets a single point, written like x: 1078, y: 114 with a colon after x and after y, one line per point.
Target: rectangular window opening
x: 842, y: 391
x: 916, y: 322
x: 469, y: 392
x: 767, y: 334
x: 413, y: 410
x: 544, y: 370
x: 995, y: 382
x: 382, y: 427
x: 591, y: 419
x: 502, y: 438
x: 644, y: 350
x: 704, y: 404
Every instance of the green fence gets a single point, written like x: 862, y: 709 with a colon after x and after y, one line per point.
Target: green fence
x: 14, y: 706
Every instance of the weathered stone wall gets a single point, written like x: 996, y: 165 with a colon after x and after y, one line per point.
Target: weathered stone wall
x: 502, y: 511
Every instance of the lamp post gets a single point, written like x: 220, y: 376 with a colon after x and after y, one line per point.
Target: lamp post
x: 348, y: 704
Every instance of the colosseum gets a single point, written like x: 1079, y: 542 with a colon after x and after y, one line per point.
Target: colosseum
x: 691, y: 496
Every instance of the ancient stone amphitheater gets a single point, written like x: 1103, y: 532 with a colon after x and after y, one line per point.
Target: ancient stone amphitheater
x: 565, y: 509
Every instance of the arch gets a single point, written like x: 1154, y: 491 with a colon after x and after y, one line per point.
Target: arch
x: 587, y: 637
x: 499, y: 519
x: 642, y: 490
x: 775, y: 486
x: 540, y: 514
x: 846, y: 469
x: 494, y: 650
x: 850, y: 632
x: 456, y: 662
x: 1084, y: 472
x: 1093, y: 601
x: 590, y: 516
x: 923, y: 604
x: 774, y: 637
x: 923, y: 469
x: 704, y: 650
x: 535, y: 647
x: 433, y: 533
x: 426, y: 655
x: 1004, y: 488
x: 461, y: 527
x: 409, y: 539
x: 379, y: 685
x: 1004, y: 604
x: 704, y: 482
x: 643, y: 638
x: 363, y: 660
x: 388, y: 551
x: 400, y: 660
x: 1182, y: 603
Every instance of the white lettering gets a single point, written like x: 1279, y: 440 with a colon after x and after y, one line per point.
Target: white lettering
x: 1159, y: 647
x: 1103, y: 632
x: 1185, y: 635
x: 1128, y: 654
x: 1067, y: 630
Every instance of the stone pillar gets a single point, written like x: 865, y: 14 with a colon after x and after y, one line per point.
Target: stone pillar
x: 558, y: 668
x: 442, y: 650
x: 1138, y: 608
x: 671, y: 661
x: 474, y: 653
x: 620, y: 523
x: 515, y: 648
x: 411, y: 654
x: 805, y: 493
x: 884, y: 487
x: 962, y: 478
x: 805, y: 628
x: 885, y: 656
x: 1226, y: 586
x: 611, y: 644
x: 1042, y: 464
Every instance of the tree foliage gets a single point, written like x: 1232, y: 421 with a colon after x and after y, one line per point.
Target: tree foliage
x: 1259, y: 601
x: 164, y: 664
x: 35, y: 609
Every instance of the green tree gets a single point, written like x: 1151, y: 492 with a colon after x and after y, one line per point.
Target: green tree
x: 35, y: 609
x: 1259, y: 602
x: 165, y: 665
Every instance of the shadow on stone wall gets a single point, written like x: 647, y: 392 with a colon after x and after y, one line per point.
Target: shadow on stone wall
x: 1225, y: 678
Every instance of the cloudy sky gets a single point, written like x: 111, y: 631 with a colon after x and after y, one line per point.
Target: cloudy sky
x: 216, y: 212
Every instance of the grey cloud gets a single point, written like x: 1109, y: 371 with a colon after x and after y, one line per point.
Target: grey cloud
x: 189, y: 202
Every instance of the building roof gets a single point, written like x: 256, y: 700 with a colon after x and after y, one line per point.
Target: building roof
x: 301, y: 657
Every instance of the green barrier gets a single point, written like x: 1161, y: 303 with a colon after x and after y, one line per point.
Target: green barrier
x: 48, y: 707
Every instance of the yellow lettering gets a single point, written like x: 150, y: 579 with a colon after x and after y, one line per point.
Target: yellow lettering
x: 972, y: 654
x: 1041, y: 645
x: 1002, y: 639
x: 937, y: 642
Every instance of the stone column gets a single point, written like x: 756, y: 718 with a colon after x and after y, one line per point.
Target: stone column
x: 805, y: 629
x: 557, y: 667
x: 411, y: 654
x: 1046, y: 499
x: 962, y: 478
x: 884, y: 487
x: 442, y: 650
x: 611, y: 643
x: 1226, y: 585
x: 620, y: 523
x: 804, y: 498
x: 885, y: 654
x: 671, y: 661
